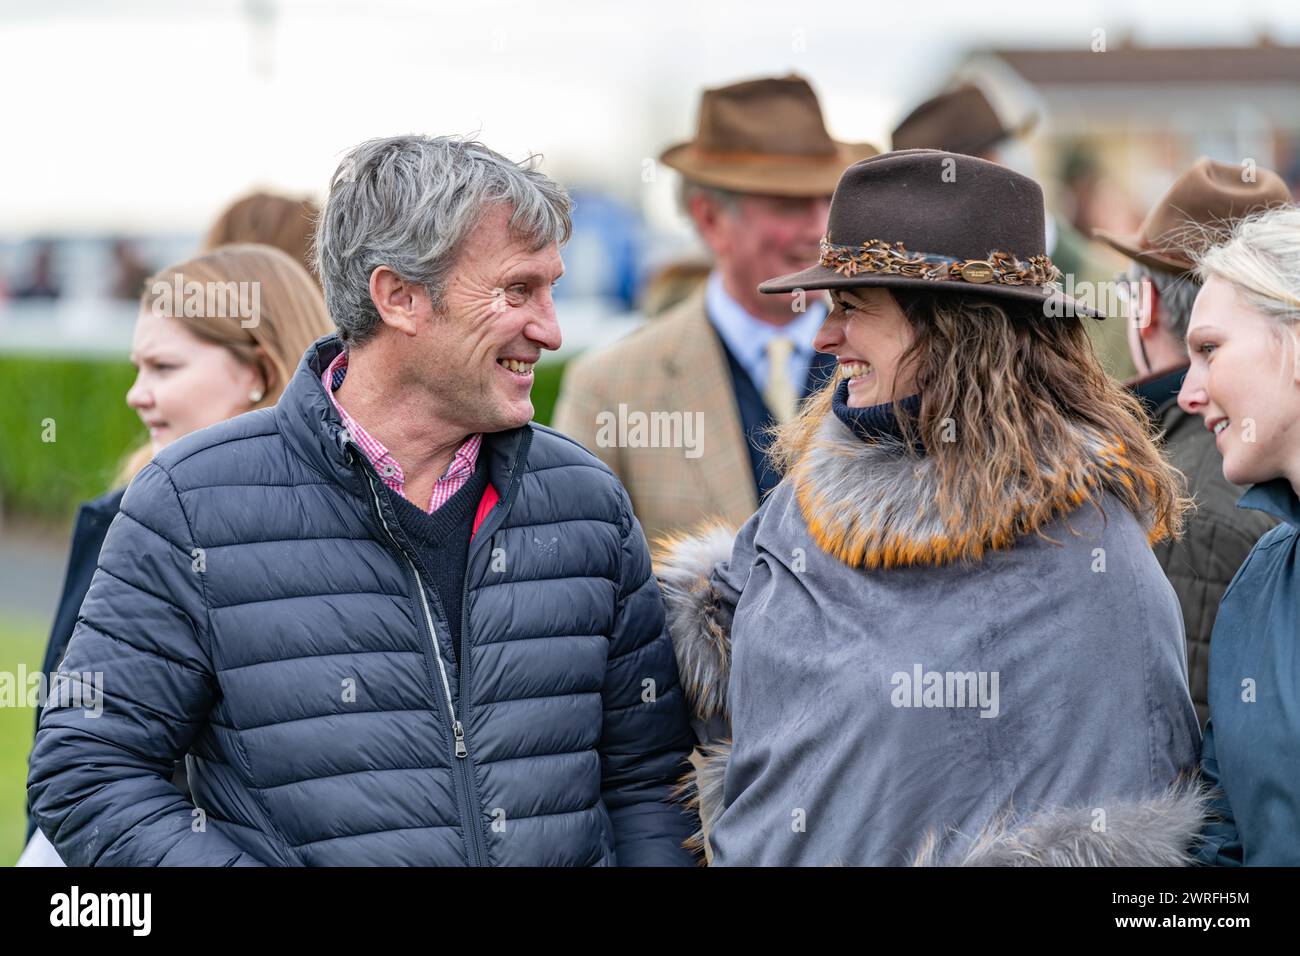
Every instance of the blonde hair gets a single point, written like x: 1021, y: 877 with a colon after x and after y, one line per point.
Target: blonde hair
x: 1261, y: 257
x: 1020, y: 390
x: 291, y: 317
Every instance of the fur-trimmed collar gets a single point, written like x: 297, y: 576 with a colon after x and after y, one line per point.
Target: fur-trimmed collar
x: 698, y: 617
x: 1159, y: 830
x: 874, y: 505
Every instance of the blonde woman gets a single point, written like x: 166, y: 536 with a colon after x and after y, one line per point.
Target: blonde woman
x: 197, y: 369
x: 944, y: 637
x: 1244, y: 381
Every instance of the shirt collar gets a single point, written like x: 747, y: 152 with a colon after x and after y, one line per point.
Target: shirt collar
x: 1275, y: 497
x: 460, y: 467
x: 746, y: 336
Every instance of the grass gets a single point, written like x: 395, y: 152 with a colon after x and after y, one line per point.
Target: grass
x: 22, y: 641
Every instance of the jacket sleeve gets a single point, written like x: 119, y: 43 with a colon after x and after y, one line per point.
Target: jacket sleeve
x: 702, y: 575
x: 83, y: 556
x: 139, y: 685
x: 1220, y: 842
x: 646, y: 739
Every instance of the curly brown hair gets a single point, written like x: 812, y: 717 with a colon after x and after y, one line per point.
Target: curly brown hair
x: 1009, y: 401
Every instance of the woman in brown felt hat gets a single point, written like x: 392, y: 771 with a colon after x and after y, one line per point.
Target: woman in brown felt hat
x: 923, y: 642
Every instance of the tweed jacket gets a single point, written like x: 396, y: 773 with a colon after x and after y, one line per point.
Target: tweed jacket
x: 674, y: 363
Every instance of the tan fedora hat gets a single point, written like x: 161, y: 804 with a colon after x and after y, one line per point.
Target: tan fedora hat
x: 764, y: 136
x: 1201, y: 204
x: 960, y: 120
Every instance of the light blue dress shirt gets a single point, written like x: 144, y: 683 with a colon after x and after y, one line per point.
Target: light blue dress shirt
x: 747, y: 337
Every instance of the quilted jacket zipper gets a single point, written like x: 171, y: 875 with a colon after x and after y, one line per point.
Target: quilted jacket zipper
x: 469, y: 813
x: 487, y: 529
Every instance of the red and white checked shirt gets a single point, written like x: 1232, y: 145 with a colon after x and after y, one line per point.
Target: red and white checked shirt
x: 458, y: 472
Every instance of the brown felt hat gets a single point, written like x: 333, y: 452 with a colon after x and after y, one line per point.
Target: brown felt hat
x: 960, y: 120
x: 1198, y: 208
x: 940, y: 221
x: 764, y: 136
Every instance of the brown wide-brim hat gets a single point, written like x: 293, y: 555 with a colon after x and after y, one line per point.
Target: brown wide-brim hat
x: 939, y: 221
x: 1197, y: 210
x: 960, y: 120
x: 764, y: 136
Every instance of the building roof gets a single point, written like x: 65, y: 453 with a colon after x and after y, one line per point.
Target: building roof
x: 1124, y: 63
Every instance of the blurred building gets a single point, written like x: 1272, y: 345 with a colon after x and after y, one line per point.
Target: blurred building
x: 1129, y: 117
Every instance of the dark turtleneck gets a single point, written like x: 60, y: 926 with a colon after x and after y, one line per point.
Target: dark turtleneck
x: 875, y: 422
x: 441, y: 541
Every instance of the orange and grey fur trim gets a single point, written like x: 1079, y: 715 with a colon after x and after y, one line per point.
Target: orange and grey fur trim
x: 874, y: 505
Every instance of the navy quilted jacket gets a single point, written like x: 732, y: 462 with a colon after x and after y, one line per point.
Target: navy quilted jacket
x: 254, y: 608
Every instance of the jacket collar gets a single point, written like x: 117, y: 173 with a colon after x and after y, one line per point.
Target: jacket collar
x: 1156, y: 391
x: 1276, y: 498
x: 873, y: 504
x: 310, y: 424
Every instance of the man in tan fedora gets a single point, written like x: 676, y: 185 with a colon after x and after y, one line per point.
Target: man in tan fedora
x: 679, y: 408
x: 1202, y: 203
x: 962, y: 120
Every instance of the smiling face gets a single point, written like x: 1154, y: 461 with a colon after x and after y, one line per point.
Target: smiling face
x: 475, y: 354
x: 868, y: 332
x: 759, y: 237
x: 1244, y: 382
x: 183, y: 382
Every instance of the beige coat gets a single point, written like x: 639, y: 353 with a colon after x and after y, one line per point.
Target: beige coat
x: 674, y: 363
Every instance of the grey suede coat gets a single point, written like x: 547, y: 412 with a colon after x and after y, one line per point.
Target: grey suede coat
x: 1027, y: 706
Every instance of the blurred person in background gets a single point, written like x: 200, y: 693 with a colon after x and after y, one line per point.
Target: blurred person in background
x: 1090, y: 199
x: 1209, y: 196
x: 129, y: 272
x: 285, y: 222
x: 962, y: 120
x: 195, y: 371
x: 1244, y: 383
x: 931, y: 559
x: 671, y: 284
x: 41, y: 281
x: 756, y: 183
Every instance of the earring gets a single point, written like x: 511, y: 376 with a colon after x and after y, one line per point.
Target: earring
x: 255, y: 395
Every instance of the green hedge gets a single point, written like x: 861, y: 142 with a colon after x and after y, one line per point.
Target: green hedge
x: 93, y: 429
x: 546, y: 388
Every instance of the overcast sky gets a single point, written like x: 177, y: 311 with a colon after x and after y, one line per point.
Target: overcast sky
x: 152, y: 114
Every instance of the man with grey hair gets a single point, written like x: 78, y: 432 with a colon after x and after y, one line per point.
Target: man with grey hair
x: 1161, y: 289
x: 390, y: 620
